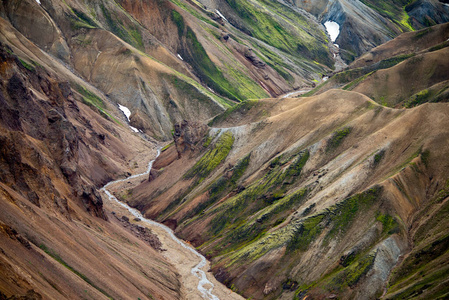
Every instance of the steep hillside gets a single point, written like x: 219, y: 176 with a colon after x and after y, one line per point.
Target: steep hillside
x: 403, y: 85
x: 309, y: 196
x: 174, y: 60
x: 56, y: 151
x: 156, y: 93
x: 61, y: 141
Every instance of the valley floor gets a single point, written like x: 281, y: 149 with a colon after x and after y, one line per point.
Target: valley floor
x: 183, y: 261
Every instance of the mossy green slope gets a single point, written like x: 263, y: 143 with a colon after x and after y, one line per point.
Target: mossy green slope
x: 322, y: 214
x: 393, y: 10
x: 212, y: 158
x: 228, y: 81
x: 282, y: 28
x: 423, y: 273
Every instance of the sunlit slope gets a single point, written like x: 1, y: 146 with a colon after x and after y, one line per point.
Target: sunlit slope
x: 310, y: 196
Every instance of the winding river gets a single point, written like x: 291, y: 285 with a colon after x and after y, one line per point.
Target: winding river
x: 204, y: 285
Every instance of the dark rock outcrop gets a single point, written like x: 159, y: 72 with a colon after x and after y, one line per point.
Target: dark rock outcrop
x: 167, y: 156
x: 187, y: 135
x: 27, y: 117
x: 92, y: 202
x: 249, y: 54
x: 427, y: 12
x: 13, y: 234
x: 153, y: 175
x: 143, y: 233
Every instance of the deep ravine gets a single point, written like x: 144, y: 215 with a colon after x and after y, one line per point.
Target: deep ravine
x: 205, y: 286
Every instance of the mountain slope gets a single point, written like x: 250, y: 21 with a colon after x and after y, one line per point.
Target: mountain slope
x: 56, y: 151
x: 323, y: 195
x: 309, y: 184
x: 404, y: 72
x: 145, y: 54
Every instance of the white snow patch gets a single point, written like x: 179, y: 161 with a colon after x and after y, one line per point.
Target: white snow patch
x: 127, y: 113
x: 223, y: 17
x: 333, y: 29
x: 180, y: 57
x: 125, y: 110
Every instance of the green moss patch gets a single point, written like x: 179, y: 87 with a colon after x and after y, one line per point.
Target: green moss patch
x: 262, y: 193
x: 187, y: 6
x: 389, y: 223
x: 167, y: 146
x: 337, y: 138
x: 28, y: 66
x: 436, y: 93
x: 196, y: 56
x: 378, y: 157
x: 393, y: 10
x: 430, y: 285
x: 221, y: 186
x: 94, y: 101
x: 84, y: 18
x: 352, y: 274
x: 300, y: 233
x: 345, y: 212
x: 422, y: 257
x: 264, y: 220
x: 212, y: 158
x: 129, y: 33
x: 419, y: 98
x: 179, y: 21
x: 187, y: 89
x: 90, y: 97
x: 265, y: 201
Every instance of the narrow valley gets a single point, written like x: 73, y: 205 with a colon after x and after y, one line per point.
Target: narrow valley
x: 224, y: 149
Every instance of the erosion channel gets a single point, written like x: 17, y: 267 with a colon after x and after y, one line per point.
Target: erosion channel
x: 190, y: 264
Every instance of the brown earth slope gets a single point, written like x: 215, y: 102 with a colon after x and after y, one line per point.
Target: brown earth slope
x: 423, y: 74
x: 312, y: 196
x: 56, y: 150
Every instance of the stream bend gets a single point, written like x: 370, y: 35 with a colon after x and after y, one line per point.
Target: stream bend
x: 197, y: 270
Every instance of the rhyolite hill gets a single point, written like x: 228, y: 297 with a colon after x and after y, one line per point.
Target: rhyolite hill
x: 341, y: 193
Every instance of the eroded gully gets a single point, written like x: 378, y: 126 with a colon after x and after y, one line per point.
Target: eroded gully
x: 205, y: 286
